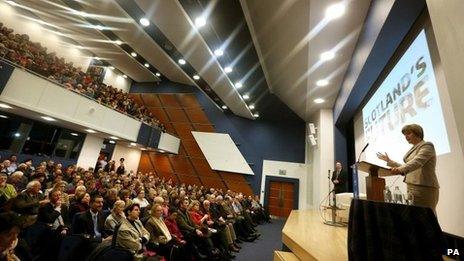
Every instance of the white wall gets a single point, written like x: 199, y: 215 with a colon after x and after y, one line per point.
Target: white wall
x: 36, y: 94
x: 130, y: 154
x: 320, y: 158
x: 293, y: 170
x: 90, y: 151
x: 116, y: 80
x: 22, y: 24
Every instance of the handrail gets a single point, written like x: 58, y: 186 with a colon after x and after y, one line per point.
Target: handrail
x: 72, y: 90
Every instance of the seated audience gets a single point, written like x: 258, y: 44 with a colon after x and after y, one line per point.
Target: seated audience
x: 9, y: 231
x: 91, y: 222
x: 116, y: 217
x: 132, y: 235
x: 7, y: 191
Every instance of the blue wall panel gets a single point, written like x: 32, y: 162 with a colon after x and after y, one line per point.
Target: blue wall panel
x: 5, y: 72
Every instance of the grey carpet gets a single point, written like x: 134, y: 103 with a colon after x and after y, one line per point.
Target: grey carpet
x: 263, y: 248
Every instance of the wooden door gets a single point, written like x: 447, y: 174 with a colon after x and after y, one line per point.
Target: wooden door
x: 280, y: 198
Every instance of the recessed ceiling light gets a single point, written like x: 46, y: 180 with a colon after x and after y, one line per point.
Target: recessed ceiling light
x: 17, y: 134
x: 158, y: 74
x: 90, y: 131
x: 238, y: 85
x: 218, y: 52
x: 162, y: 151
x: 319, y: 100
x: 322, y: 82
x: 182, y: 61
x: 118, y: 42
x: 5, y: 106
x: 3, y: 116
x: 114, y: 138
x: 335, y: 11
x: 124, y: 76
x: 79, y: 46
x: 97, y: 58
x: 224, y: 107
x: 112, y: 141
x: 329, y: 55
x: 256, y: 115
x: 251, y: 107
x: 144, y: 21
x: 99, y: 27
x: 74, y: 134
x: 146, y: 65
x: 246, y: 97
x: 112, y: 67
x: 133, y: 144
x: 133, y: 54
x: 196, y: 77
x: 200, y: 21
x: 143, y: 149
x: 228, y: 69
x: 47, y: 118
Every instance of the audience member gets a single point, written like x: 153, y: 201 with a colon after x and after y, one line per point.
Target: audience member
x: 132, y: 235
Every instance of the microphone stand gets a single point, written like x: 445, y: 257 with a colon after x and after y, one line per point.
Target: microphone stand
x: 334, y: 208
x: 355, y: 174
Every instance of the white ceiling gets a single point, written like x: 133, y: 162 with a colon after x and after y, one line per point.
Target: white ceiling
x: 290, y: 36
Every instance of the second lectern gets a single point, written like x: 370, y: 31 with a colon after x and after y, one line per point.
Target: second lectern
x: 375, y: 184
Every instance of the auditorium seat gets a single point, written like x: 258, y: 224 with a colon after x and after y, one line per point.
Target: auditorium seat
x: 73, y: 247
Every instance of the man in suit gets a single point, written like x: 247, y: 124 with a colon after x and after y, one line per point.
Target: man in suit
x: 419, y: 167
x: 50, y: 213
x: 92, y: 222
x: 339, y: 177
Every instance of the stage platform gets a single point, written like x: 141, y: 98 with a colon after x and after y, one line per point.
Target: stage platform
x: 308, y: 238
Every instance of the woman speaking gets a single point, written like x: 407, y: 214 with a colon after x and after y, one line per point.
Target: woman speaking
x: 419, y: 167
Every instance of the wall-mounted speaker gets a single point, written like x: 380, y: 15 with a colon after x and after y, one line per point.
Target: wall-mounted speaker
x: 312, y: 128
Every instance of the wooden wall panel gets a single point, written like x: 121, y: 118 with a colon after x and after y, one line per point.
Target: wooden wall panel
x: 188, y: 100
x: 159, y: 114
x: 136, y: 97
x: 203, y: 169
x: 181, y: 165
x: 243, y: 187
x: 192, y: 149
x: 176, y: 115
x: 169, y: 101
x: 183, y: 130
x: 168, y: 176
x: 170, y: 129
x: 213, y: 183
x: 204, y: 127
x: 197, y: 115
x: 189, y: 180
x: 162, y: 164
x: 145, y: 165
x: 233, y: 176
x: 151, y: 100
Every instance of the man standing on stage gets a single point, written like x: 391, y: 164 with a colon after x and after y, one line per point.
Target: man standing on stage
x: 339, y: 177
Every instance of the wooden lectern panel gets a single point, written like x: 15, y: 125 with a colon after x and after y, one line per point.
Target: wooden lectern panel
x: 374, y: 188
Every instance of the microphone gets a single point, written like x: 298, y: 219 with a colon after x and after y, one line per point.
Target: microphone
x: 365, y: 147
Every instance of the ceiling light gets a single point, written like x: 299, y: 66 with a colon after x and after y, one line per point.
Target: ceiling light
x: 47, y: 118
x: 335, y: 11
x: 319, y: 100
x: 142, y: 149
x: 256, y: 115
x: 246, y: 97
x: 133, y: 54
x: 200, y: 21
x: 329, y: 55
x: 112, y: 67
x: 322, y: 82
x: 112, y: 141
x: 124, y: 76
x: 13, y: 3
x: 182, y: 61
x: 79, y: 46
x: 17, y: 134
x: 238, y: 85
x: 90, y: 131
x: 196, y: 77
x: 224, y: 107
x: 144, y: 21
x: 74, y: 134
x: 5, y: 106
x: 114, y: 138
x: 99, y: 27
x: 218, y: 52
x: 162, y: 151
x: 251, y: 107
x: 97, y: 58
x: 133, y: 144
x: 228, y: 69
x: 158, y: 74
x: 146, y: 65
x: 3, y: 116
x: 118, y: 42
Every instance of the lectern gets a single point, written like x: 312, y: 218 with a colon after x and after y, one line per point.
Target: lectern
x: 375, y: 184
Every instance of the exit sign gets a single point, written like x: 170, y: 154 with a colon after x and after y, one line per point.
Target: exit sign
x: 282, y: 172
